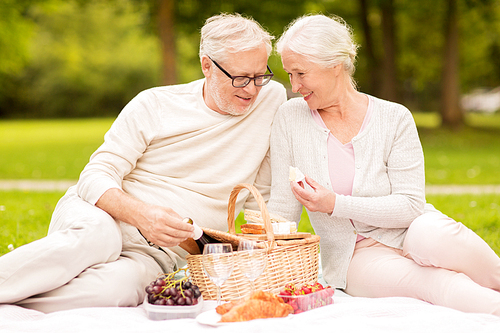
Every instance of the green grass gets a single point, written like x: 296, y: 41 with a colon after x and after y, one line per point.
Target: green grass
x: 59, y: 149
x: 48, y: 149
x: 468, y: 156
x: 25, y: 216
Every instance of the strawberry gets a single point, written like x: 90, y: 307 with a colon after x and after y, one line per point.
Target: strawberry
x: 293, y: 304
x: 285, y: 293
x: 306, y: 290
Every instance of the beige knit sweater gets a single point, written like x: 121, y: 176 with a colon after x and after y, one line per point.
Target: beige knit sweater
x: 168, y: 148
x: 388, y: 187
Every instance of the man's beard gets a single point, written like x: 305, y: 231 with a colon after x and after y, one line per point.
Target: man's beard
x: 221, y: 101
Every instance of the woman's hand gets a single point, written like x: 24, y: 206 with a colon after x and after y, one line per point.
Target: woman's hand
x: 321, y: 200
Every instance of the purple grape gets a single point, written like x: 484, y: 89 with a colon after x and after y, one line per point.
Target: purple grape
x: 161, y: 301
x: 149, y: 289
x: 181, y: 301
x: 157, y: 289
x: 160, y: 282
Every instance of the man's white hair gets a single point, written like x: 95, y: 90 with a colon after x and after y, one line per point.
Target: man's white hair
x: 327, y: 41
x: 232, y: 33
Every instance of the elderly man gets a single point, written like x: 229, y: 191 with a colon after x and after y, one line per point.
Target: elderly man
x: 173, y: 152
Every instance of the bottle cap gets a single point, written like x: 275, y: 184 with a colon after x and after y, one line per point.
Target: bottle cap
x: 197, y: 230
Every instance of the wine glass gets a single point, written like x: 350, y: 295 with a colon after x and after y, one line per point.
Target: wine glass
x: 218, y: 264
x: 253, y: 258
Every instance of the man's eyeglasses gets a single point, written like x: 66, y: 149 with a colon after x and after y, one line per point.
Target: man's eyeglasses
x: 243, y: 81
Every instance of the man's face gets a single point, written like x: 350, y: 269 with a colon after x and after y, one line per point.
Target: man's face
x: 219, y: 93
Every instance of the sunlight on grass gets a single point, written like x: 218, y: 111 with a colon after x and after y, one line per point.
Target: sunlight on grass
x: 25, y: 216
x: 427, y: 119
x: 48, y: 149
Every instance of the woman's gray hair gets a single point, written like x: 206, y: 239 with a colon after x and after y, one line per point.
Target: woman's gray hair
x: 327, y: 41
x: 231, y: 33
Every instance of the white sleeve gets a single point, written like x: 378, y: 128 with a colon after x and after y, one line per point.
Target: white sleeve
x: 124, y: 144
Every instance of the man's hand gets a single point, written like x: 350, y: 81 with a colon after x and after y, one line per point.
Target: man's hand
x: 164, y: 227
x: 321, y: 200
x: 160, y: 225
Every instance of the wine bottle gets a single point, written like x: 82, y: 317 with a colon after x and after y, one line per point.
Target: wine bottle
x: 199, y: 236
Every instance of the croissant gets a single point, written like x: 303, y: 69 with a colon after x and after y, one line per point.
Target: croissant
x: 256, y: 306
x: 226, y: 307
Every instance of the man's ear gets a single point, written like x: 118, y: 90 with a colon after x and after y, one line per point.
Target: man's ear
x: 206, y: 66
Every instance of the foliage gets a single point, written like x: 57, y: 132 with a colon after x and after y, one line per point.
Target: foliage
x: 88, y: 59
x: 80, y: 58
x: 15, y: 35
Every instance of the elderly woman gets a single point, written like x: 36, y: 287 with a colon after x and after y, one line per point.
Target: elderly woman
x: 364, y: 185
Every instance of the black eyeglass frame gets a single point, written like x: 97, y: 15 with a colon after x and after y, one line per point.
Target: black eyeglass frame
x: 270, y: 76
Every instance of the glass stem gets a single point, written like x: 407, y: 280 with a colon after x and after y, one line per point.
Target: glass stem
x: 218, y: 296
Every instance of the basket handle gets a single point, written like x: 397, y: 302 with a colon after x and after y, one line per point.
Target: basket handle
x: 262, y: 206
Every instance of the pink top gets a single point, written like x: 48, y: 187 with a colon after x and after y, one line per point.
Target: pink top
x: 341, y: 158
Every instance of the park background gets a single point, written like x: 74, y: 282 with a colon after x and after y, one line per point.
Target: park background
x: 68, y: 67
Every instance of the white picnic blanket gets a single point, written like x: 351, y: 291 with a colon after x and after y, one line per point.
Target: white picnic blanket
x: 347, y: 314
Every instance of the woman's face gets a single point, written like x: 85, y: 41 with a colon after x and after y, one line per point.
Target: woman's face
x: 317, y: 84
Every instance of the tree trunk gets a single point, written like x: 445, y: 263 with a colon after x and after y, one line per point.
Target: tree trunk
x: 389, y: 67
x: 372, y: 61
x: 167, y: 36
x: 451, y: 113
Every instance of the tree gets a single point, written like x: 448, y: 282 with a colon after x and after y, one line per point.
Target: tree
x: 166, y: 28
x: 389, y: 66
x: 451, y: 113
x: 382, y: 68
x: 371, y: 59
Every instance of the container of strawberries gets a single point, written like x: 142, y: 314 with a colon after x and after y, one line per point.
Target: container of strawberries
x: 306, y: 296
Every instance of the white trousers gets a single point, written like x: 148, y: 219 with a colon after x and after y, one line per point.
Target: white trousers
x: 82, y: 262
x: 442, y: 262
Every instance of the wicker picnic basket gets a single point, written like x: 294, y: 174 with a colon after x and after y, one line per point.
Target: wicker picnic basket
x: 294, y: 260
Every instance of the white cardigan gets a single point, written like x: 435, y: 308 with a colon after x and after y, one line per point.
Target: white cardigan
x: 388, y: 187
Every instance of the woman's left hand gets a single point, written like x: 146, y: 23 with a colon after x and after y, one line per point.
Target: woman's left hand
x: 321, y: 200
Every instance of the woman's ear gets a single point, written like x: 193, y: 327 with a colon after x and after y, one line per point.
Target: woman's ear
x: 206, y: 66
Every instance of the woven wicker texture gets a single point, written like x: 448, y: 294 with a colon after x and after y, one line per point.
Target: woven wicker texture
x: 287, y: 260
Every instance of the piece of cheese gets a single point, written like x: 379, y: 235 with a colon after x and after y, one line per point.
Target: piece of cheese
x: 295, y: 175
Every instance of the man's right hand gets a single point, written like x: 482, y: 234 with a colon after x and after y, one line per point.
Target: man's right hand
x: 160, y: 225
